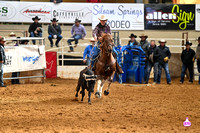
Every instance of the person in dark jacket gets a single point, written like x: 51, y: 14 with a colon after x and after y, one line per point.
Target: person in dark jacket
x: 165, y: 55
x: 35, y: 29
x: 2, y: 60
x: 54, y: 31
x: 56, y: 1
x: 152, y: 61
x: 198, y: 57
x: 132, y: 42
x: 187, y: 57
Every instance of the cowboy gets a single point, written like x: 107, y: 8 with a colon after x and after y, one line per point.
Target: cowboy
x: 54, y: 31
x: 35, y: 29
x: 87, y: 52
x: 198, y: 57
x: 132, y: 42
x: 187, y: 58
x: 78, y: 32
x: 165, y: 55
x: 2, y: 60
x: 11, y: 42
x: 152, y: 61
x: 101, y: 28
x: 143, y: 42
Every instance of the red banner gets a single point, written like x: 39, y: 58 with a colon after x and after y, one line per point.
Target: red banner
x: 51, y: 60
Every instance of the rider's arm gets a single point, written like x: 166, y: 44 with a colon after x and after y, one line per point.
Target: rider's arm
x: 85, y: 53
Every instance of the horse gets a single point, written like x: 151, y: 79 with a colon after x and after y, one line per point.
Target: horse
x: 105, y: 67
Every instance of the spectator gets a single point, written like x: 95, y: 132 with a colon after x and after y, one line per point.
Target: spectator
x: 165, y: 55
x: 54, y: 31
x: 144, y: 43
x: 87, y: 52
x: 187, y: 58
x: 11, y: 42
x: 78, y: 32
x: 152, y: 61
x: 2, y: 60
x: 56, y: 1
x: 35, y: 29
x: 132, y: 43
x: 198, y: 57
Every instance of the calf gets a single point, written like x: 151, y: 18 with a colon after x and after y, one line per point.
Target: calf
x: 87, y: 81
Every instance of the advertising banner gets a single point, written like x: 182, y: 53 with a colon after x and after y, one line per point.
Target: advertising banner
x: 25, y: 11
x: 198, y: 17
x: 169, y: 17
x: 24, y: 58
x: 120, y: 16
x: 51, y: 59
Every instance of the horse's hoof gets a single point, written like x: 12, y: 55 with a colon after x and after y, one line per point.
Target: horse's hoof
x: 97, y: 94
x: 76, y: 95
x: 89, y: 102
x: 106, y: 93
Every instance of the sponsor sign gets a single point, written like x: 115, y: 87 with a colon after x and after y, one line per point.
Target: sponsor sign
x: 169, y: 17
x: 120, y: 16
x: 24, y: 58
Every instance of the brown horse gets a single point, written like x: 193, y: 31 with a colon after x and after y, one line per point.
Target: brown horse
x: 105, y: 67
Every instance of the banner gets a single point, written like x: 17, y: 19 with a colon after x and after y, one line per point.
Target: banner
x: 169, y: 17
x: 120, y: 16
x: 197, y: 17
x: 51, y: 70
x: 25, y: 11
x: 24, y: 58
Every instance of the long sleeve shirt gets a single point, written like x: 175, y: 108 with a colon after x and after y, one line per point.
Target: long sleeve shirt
x: 87, y: 52
x: 2, y: 53
x: 78, y: 30
x: 56, y: 31
x: 99, y: 29
x: 34, y: 26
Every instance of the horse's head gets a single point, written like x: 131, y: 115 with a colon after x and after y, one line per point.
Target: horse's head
x: 107, y: 42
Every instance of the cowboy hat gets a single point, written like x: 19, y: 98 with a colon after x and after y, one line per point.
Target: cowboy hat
x: 188, y: 43
x: 12, y: 34
x: 103, y: 18
x: 92, y: 39
x: 143, y: 35
x: 54, y: 19
x: 36, y: 17
x: 162, y: 40
x: 2, y: 39
x: 132, y: 35
x: 77, y: 20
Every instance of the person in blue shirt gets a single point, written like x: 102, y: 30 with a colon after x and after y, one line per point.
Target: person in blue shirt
x: 87, y: 52
x: 132, y: 42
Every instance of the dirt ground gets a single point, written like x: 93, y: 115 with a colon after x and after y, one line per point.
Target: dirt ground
x: 51, y: 108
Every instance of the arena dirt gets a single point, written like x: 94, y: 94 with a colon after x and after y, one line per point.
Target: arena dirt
x: 51, y: 108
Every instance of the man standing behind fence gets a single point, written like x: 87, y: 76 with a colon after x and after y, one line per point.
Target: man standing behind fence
x: 2, y: 60
x: 35, y: 29
x: 198, y: 57
x: 54, y: 31
x: 187, y: 58
x: 87, y: 52
x: 78, y: 32
x: 165, y: 55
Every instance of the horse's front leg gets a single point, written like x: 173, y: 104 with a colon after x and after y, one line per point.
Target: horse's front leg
x: 106, y: 92
x: 100, y: 84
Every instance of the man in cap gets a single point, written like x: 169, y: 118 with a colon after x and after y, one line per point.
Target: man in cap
x: 101, y: 28
x: 87, y: 52
x: 144, y: 43
x: 35, y: 29
x: 54, y: 31
x: 2, y: 60
x: 132, y: 42
x: 198, y: 57
x: 165, y: 55
x: 152, y: 61
x: 187, y: 58
x: 78, y: 32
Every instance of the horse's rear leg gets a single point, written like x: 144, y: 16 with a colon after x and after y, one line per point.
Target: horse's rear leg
x: 99, y: 88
